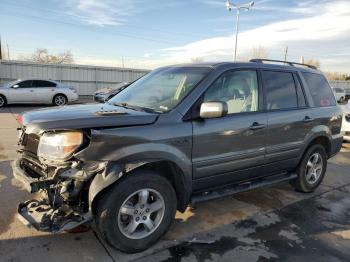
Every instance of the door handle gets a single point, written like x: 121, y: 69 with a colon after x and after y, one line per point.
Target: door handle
x: 307, y: 119
x: 32, y: 91
x: 256, y: 126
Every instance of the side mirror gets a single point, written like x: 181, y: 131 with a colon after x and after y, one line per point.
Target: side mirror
x: 213, y: 109
x: 15, y: 86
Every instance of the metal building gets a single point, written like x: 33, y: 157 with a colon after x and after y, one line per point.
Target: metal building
x: 86, y: 79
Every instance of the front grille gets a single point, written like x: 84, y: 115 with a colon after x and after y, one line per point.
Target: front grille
x: 347, y: 133
x: 31, y: 143
x: 32, y: 168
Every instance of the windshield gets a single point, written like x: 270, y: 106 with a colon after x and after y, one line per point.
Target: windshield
x: 162, y: 89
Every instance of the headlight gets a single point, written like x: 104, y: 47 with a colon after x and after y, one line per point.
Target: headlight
x: 59, y: 146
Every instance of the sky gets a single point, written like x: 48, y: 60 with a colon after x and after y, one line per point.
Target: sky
x: 153, y: 33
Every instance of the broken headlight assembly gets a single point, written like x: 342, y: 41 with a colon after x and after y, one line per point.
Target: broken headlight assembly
x: 59, y: 146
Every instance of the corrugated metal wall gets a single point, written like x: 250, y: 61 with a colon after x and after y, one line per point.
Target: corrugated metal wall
x: 86, y: 79
x: 342, y: 84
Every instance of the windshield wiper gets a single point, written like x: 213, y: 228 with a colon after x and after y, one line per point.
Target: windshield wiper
x: 136, y: 108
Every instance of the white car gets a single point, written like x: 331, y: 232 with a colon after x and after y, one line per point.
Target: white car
x: 339, y: 94
x: 36, y: 91
x: 346, y: 121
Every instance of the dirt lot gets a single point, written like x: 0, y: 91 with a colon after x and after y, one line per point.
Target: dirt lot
x: 274, y: 223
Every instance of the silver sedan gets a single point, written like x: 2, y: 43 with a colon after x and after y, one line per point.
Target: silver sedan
x: 36, y: 91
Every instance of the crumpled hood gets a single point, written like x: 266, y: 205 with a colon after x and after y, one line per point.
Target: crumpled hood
x: 85, y: 116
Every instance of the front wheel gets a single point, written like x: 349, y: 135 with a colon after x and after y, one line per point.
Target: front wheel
x: 311, y: 169
x: 136, y: 212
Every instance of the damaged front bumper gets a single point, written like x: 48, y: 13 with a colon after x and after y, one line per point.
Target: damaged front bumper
x: 40, y: 215
x: 54, y: 212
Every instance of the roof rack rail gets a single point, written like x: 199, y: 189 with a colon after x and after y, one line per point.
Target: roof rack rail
x: 258, y: 60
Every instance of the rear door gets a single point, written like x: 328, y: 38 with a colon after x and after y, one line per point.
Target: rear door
x: 44, y: 90
x: 230, y: 148
x: 288, y: 117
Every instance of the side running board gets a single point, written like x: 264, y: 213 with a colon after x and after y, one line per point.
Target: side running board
x: 246, y: 186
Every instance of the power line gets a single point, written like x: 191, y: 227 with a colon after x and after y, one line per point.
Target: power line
x: 119, y: 33
x: 128, y: 25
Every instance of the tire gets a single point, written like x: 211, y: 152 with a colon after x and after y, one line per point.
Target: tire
x: 3, y: 101
x: 59, y: 100
x: 341, y: 100
x: 113, y: 224
x: 307, y: 181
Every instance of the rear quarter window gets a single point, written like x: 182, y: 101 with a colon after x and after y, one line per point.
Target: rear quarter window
x: 320, y: 90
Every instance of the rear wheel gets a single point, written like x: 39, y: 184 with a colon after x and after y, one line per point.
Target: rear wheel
x: 60, y: 100
x: 311, y: 169
x: 135, y: 213
x: 3, y: 101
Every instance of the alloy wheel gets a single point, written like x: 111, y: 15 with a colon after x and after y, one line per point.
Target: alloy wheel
x: 2, y: 101
x: 141, y: 213
x: 314, y: 168
x: 60, y: 100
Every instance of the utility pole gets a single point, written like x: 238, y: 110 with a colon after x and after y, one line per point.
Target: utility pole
x: 8, y: 52
x: 229, y: 6
x: 286, y: 53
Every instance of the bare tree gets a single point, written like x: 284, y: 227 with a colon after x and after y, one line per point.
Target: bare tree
x: 259, y: 52
x: 313, y: 62
x: 41, y: 55
x: 337, y: 76
x: 196, y: 59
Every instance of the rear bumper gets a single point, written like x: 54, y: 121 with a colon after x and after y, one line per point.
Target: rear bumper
x: 73, y: 98
x: 337, y: 142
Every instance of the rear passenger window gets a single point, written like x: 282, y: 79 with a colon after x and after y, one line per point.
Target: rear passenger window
x: 280, y: 90
x: 40, y: 83
x: 320, y: 90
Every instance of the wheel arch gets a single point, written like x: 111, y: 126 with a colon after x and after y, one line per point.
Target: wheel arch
x: 6, y: 101
x: 321, y: 139
x: 57, y: 94
x: 115, y: 172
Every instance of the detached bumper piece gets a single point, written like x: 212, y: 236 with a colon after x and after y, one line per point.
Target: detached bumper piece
x: 41, y: 216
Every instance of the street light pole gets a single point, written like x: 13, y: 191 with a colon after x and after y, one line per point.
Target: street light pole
x: 229, y: 7
x: 236, y: 44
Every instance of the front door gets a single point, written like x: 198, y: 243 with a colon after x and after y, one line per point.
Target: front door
x: 22, y: 92
x: 230, y: 148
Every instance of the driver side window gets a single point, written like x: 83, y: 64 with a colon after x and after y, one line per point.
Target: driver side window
x: 239, y: 89
x: 25, y: 84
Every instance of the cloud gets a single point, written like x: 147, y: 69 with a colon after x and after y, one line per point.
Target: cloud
x: 102, y: 12
x: 327, y: 22
x: 111, y: 12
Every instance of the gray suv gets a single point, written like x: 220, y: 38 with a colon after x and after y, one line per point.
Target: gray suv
x: 177, y: 136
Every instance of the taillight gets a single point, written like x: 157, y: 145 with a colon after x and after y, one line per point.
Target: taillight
x: 20, y: 119
x: 73, y: 89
